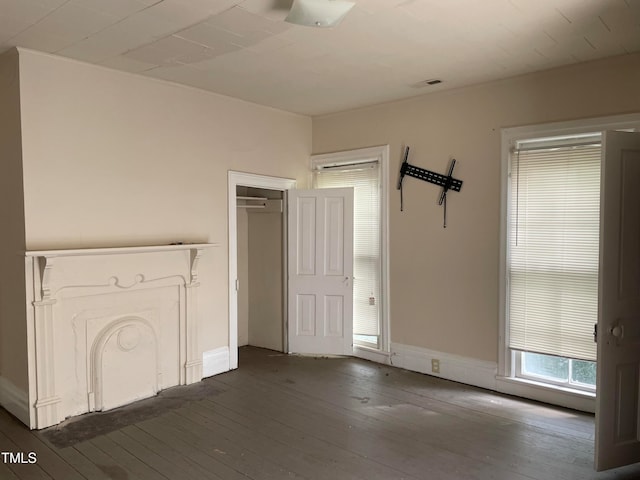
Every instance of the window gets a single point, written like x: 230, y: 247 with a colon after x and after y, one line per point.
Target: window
x: 553, y: 248
x: 560, y: 371
x: 364, y: 177
x: 550, y: 259
x: 553, y: 259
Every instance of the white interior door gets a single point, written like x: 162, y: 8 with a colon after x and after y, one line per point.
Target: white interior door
x: 320, y: 297
x: 617, y: 402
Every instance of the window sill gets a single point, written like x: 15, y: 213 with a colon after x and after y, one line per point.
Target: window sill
x: 544, y: 392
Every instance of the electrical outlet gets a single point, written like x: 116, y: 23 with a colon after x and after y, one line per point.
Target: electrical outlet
x: 435, y: 365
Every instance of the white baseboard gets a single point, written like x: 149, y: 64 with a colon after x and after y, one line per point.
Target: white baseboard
x: 470, y: 371
x: 14, y: 400
x: 215, y: 361
x: 483, y: 374
x: 371, y: 354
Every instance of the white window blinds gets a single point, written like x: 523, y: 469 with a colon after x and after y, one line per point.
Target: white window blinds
x: 554, y: 245
x: 364, y: 177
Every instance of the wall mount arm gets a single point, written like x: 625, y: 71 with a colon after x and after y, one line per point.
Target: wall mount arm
x: 447, y: 182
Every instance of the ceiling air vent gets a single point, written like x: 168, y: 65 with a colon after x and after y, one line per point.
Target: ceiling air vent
x: 427, y: 83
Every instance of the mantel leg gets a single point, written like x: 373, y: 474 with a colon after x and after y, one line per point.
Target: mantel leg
x: 46, y: 399
x: 193, y: 365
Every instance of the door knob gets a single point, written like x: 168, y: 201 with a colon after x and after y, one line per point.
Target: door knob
x: 617, y: 331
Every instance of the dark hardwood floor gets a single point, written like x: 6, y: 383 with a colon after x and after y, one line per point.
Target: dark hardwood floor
x: 287, y: 417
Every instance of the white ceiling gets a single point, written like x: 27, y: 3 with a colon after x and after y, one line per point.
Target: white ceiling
x: 379, y: 53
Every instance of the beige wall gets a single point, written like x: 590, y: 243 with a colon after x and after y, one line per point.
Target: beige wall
x: 242, y: 220
x: 13, y: 334
x: 444, y: 282
x: 113, y: 159
x: 265, y: 280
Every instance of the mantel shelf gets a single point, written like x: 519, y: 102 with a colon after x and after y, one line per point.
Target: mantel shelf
x: 117, y: 250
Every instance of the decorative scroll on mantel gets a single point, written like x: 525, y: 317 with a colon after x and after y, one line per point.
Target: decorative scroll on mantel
x: 108, y: 326
x: 46, y: 258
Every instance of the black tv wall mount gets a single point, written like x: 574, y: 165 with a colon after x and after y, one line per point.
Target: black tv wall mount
x: 447, y: 182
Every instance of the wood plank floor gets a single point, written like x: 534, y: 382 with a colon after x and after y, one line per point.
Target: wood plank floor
x: 285, y: 417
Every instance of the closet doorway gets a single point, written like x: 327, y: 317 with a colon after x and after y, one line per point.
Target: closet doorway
x: 257, y: 262
x: 260, y: 267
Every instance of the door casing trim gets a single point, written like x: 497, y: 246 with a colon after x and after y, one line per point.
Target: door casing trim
x: 243, y: 179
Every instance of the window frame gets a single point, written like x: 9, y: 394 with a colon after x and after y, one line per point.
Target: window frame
x: 519, y: 373
x: 507, y: 361
x: 362, y: 155
x: 367, y: 251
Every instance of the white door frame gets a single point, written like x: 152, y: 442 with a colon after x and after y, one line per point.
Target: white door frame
x: 381, y: 154
x: 242, y: 179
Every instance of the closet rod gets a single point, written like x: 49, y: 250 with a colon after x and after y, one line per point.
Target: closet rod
x: 262, y: 199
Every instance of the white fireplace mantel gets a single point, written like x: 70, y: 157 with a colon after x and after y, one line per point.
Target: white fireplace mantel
x: 109, y: 326
x: 117, y: 250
